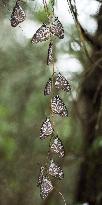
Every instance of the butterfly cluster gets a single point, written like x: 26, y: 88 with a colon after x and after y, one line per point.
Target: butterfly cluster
x: 46, y: 31
x: 60, y: 83
x: 18, y: 15
x: 56, y: 83
x: 56, y: 147
x: 44, y: 181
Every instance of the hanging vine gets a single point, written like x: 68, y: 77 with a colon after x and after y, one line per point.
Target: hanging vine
x: 56, y: 83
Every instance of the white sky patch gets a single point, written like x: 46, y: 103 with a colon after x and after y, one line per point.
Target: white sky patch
x: 29, y: 28
x: 68, y: 64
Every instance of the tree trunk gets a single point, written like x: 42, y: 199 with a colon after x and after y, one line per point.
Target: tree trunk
x: 90, y: 102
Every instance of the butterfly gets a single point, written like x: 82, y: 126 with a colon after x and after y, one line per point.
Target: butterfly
x: 42, y: 34
x: 55, y: 170
x: 46, y: 129
x: 57, y: 28
x: 57, y: 147
x: 58, y: 106
x: 46, y: 187
x: 46, y: 31
x: 48, y: 87
x: 61, y: 83
x: 40, y: 177
x: 50, y: 54
x: 18, y: 15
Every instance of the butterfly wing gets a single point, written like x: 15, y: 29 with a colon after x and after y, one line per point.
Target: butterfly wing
x: 56, y: 28
x: 42, y: 34
x: 18, y: 15
x: 57, y: 147
x: 40, y: 177
x: 48, y: 87
x: 50, y: 54
x: 45, y: 188
x: 61, y: 83
x: 46, y: 129
x: 55, y: 170
x: 58, y: 106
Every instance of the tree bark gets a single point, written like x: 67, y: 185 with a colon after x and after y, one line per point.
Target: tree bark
x: 90, y: 102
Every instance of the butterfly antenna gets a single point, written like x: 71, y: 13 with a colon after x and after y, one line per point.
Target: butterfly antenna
x: 21, y: 29
x: 63, y: 198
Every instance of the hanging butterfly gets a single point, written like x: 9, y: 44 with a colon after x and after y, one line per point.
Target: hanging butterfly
x: 18, y: 15
x: 42, y: 34
x: 40, y: 177
x: 56, y: 28
x: 58, y: 106
x: 55, y: 170
x: 50, y: 54
x: 57, y: 147
x: 61, y: 83
x: 46, y: 129
x: 48, y: 87
x: 46, y: 31
x: 46, y: 187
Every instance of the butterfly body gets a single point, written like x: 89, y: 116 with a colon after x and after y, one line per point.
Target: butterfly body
x: 50, y: 54
x: 48, y: 87
x: 40, y: 178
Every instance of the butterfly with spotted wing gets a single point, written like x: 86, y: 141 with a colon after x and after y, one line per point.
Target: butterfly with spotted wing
x: 18, y: 15
x: 46, y: 187
x: 60, y: 83
x: 58, y: 106
x: 55, y: 170
x: 56, y: 28
x: 46, y: 31
x: 46, y: 129
x: 57, y: 147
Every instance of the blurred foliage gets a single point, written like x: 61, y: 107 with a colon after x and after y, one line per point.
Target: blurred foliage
x: 23, y: 74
